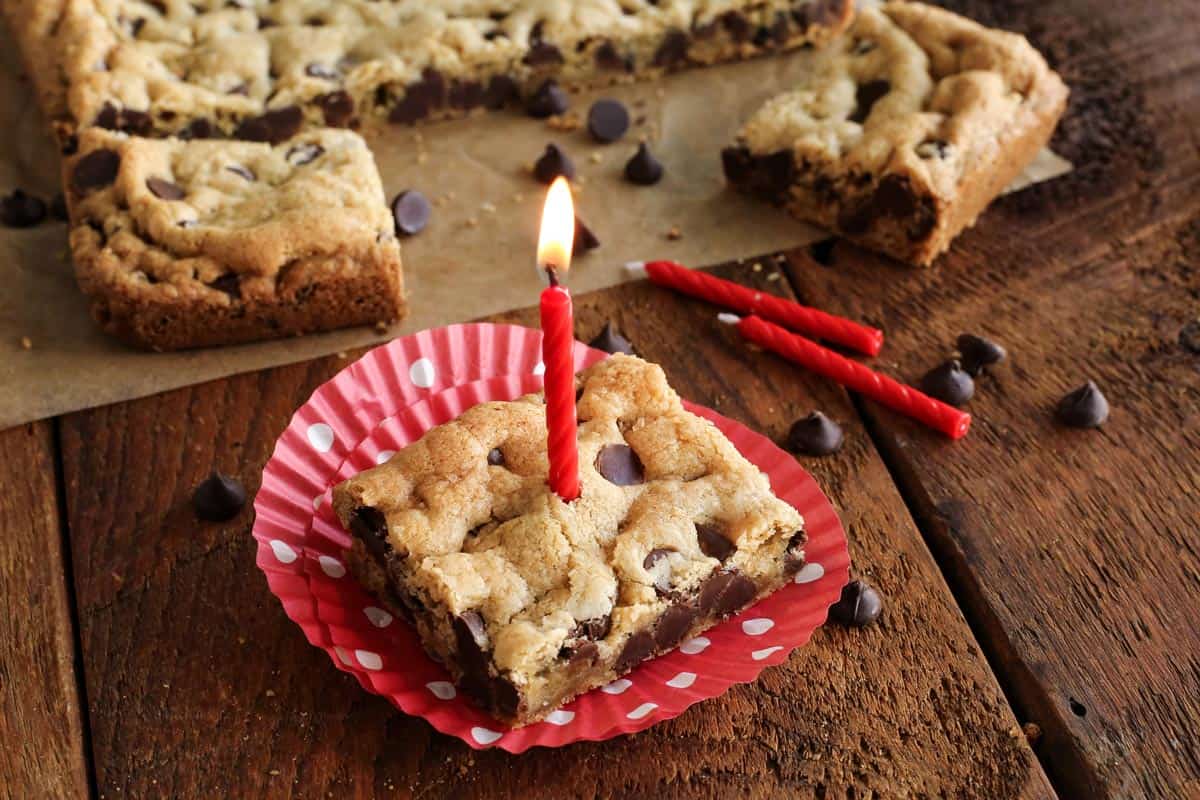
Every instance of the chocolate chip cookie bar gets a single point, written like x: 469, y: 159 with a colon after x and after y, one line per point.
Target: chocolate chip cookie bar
x: 530, y: 601
x: 191, y: 243
x: 263, y: 69
x: 904, y: 131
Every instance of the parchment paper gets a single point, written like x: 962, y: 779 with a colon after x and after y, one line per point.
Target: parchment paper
x: 475, y: 258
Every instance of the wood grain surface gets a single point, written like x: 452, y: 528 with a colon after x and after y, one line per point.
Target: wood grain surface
x: 200, y: 686
x: 41, y: 734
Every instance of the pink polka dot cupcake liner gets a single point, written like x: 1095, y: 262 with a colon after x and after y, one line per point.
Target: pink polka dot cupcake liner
x: 387, y: 400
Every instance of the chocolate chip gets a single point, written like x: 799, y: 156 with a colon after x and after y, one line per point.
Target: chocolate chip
x: 713, y: 542
x: 547, y: 100
x: 620, y: 465
x: 768, y: 176
x: 411, y: 212
x: 736, y: 25
x: 673, y: 625
x: 815, y: 435
x: 241, y: 172
x: 219, y: 498
x: 582, y: 653
x: 608, y: 58
x: 858, y: 606
x: 654, y: 556
x: 793, y: 556
x: 865, y: 98
x: 949, y: 382
x: 672, y: 50
x: 21, y: 210
x: 554, y: 162
x: 595, y: 628
x: 495, y: 457
x: 164, y: 189
x: 637, y: 649
x: 316, y: 70
x: 608, y: 120
x: 337, y: 107
x: 370, y: 526
x: 1189, y: 336
x: 501, y: 90
x: 229, y: 283
x: 470, y: 638
x: 303, y: 154
x: 95, y: 170
x: 505, y: 699
x: 893, y: 197
x: 58, y: 208
x: 585, y: 241
x: 200, y: 128
x: 822, y: 251
x: 273, y: 127
x: 1084, y: 407
x: 643, y: 169
x: 611, y: 341
x: 465, y: 95
x: 725, y: 592
x: 979, y: 353
x: 542, y: 54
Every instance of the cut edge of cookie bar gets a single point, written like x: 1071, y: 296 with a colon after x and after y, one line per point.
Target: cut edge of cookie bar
x: 113, y: 75
x: 908, y: 179
x: 183, y: 244
x: 529, y: 601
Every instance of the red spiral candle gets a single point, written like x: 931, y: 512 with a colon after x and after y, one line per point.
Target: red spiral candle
x: 788, y: 313
x: 558, y: 340
x: 856, y: 377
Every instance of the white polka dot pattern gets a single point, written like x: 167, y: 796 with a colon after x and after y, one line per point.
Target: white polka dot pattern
x: 320, y: 436
x: 384, y: 456
x: 642, y: 710
x: 682, y: 681
x: 485, y: 736
x: 442, y: 690
x: 560, y: 717
x: 618, y: 686
x: 809, y: 573
x: 766, y: 652
x: 693, y: 646
x: 379, y: 618
x: 422, y: 373
x: 284, y: 553
x: 369, y: 660
x: 758, y: 626
x: 539, y: 368
x: 332, y: 567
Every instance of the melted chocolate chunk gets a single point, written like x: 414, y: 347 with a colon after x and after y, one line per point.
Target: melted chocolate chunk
x: 713, y: 542
x: 654, y: 556
x: 865, y: 98
x: 465, y: 95
x: 58, y: 207
x: 673, y: 625
x: 337, y: 108
x: 199, y: 128
x: 608, y: 120
x: 21, y: 210
x: 637, y: 649
x: 303, y: 154
x: 619, y: 464
x: 768, y: 176
x: 547, y: 100
x: 858, y: 606
x: 219, y: 498
x: 584, y: 653
x: 585, y: 241
x: 672, y: 50
x: 893, y: 197
x: 1085, y: 407
x: 541, y: 52
x: 501, y: 90
x: 370, y: 526
x: 815, y: 435
x: 554, y: 162
x: 949, y: 382
x: 229, y: 283
x: 724, y: 592
x: 273, y: 127
x: 411, y: 212
x: 643, y: 169
x: 420, y: 98
x: 95, y: 171
x: 607, y: 57
x: 737, y: 26
x: 164, y: 189
x: 611, y: 341
x: 979, y: 353
x: 470, y: 637
x: 495, y: 457
x: 793, y: 556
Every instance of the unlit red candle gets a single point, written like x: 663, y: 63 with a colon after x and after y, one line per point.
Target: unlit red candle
x: 853, y: 375
x: 788, y: 313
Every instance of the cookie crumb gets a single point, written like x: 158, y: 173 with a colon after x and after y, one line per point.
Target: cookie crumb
x: 26, y: 343
x: 488, y: 207
x: 472, y: 222
x: 756, y: 266
x: 596, y: 157
x: 1032, y: 731
x: 674, y: 234
x: 566, y: 123
x: 381, y: 327
x: 774, y: 276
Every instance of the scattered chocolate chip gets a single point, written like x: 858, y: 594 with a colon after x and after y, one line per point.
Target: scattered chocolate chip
x: 608, y: 58
x: 547, y: 100
x: 611, y: 341
x: 1189, y: 336
x: 200, y: 128
x: 979, y: 353
x: 673, y: 625
x: 1084, y: 407
x: 21, y: 210
x: 501, y: 90
x: 273, y: 127
x: 608, y: 120
x: 370, y: 526
x: 58, y: 208
x: 495, y: 457
x: 713, y: 542
x: 643, y: 169
x: 822, y: 251
x: 95, y: 170
x: 219, y: 498
x: 619, y: 464
x: 865, y: 98
x: 815, y: 435
x: 949, y: 382
x: 793, y: 556
x: 303, y: 154
x: 164, y: 189
x: 585, y: 241
x: 672, y: 50
x: 554, y: 162
x: 337, y: 107
x: 858, y: 606
x: 637, y: 649
x: 724, y: 592
x: 411, y: 212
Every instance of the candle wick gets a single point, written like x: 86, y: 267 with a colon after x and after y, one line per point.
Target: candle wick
x: 552, y: 275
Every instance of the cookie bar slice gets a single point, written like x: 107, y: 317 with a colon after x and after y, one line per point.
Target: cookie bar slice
x: 257, y: 70
x: 904, y: 131
x: 530, y: 601
x: 190, y: 243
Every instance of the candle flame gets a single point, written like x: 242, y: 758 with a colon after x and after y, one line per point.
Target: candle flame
x: 557, y: 235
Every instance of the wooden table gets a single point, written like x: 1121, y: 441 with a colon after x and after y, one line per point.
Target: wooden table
x: 1033, y: 574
